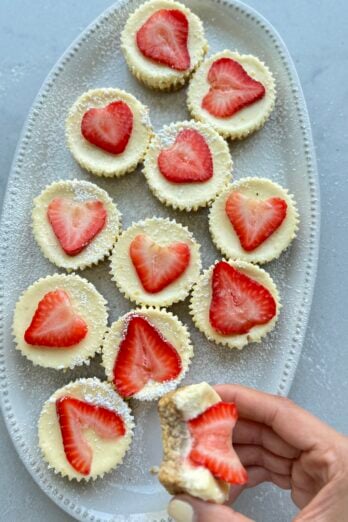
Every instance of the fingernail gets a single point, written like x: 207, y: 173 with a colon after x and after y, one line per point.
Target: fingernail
x: 181, y: 511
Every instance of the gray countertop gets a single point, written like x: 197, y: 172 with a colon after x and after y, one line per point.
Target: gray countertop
x: 32, y: 37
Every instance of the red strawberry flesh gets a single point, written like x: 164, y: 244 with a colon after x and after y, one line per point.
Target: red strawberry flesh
x: 75, y: 224
x: 144, y: 354
x: 74, y: 416
x: 158, y: 266
x: 189, y: 160
x: 254, y: 220
x: 231, y: 89
x: 211, y: 443
x: 238, y: 302
x: 163, y: 39
x: 108, y: 128
x: 55, y: 324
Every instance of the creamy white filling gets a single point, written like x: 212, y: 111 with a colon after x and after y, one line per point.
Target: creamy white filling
x: 193, y: 400
x: 107, y: 453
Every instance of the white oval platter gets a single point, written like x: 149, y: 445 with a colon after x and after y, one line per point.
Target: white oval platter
x: 282, y: 151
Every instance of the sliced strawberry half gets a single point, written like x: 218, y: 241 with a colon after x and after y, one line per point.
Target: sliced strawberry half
x: 55, y: 323
x: 189, y: 160
x: 76, y: 224
x: 158, y: 266
x: 238, y: 302
x: 144, y: 354
x: 254, y: 220
x: 211, y: 434
x: 163, y: 38
x: 108, y: 128
x: 231, y: 89
x: 74, y: 416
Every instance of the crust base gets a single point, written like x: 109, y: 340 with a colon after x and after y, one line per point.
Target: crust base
x: 174, y: 437
x: 175, y: 474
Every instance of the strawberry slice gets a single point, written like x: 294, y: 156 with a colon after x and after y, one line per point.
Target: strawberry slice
x: 158, y: 266
x: 254, y: 220
x: 231, y: 89
x: 55, y: 324
x: 211, y: 434
x: 76, y: 224
x: 238, y: 302
x: 188, y: 160
x: 144, y: 354
x: 108, y: 128
x: 163, y: 38
x: 74, y: 416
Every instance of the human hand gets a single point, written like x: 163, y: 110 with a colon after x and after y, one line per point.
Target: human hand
x: 282, y: 443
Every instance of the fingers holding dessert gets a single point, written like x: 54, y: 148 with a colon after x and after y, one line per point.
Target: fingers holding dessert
x: 197, y: 433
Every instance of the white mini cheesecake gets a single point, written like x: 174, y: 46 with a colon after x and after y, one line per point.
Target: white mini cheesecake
x: 94, y: 158
x: 86, y: 302
x: 159, y: 232
x: 170, y: 329
x: 151, y: 72
x: 79, y: 192
x: 107, y: 453
x: 188, y: 195
x: 224, y: 234
x: 246, y: 120
x: 201, y: 299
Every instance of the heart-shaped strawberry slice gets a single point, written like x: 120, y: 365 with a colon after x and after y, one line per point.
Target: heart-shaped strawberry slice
x: 55, y: 323
x: 158, y: 266
x: 74, y: 416
x: 189, y: 160
x: 76, y: 223
x: 211, y: 443
x: 163, y: 38
x: 238, y: 302
x: 144, y: 354
x: 254, y: 220
x: 231, y: 89
x: 108, y: 128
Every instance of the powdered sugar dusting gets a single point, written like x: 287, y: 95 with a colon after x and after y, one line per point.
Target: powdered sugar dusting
x: 80, y: 194
x: 277, y: 152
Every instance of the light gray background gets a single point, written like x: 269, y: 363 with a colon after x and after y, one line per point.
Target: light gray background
x: 32, y: 37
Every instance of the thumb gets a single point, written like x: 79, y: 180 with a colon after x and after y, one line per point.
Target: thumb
x: 184, y: 508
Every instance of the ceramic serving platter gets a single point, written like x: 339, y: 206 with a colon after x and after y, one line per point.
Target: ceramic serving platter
x: 281, y: 151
